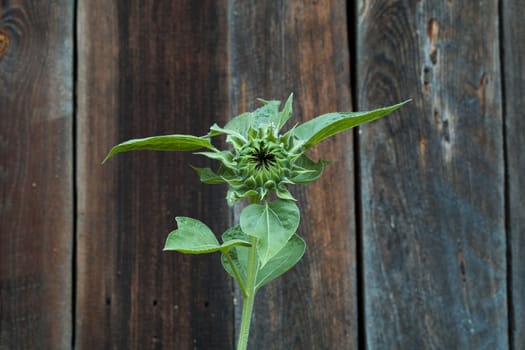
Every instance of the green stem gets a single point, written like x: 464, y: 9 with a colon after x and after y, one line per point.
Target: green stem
x: 247, y: 306
x: 236, y: 273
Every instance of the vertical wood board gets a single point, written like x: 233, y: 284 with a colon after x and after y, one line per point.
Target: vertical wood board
x: 302, y: 47
x: 514, y: 79
x: 432, y: 176
x: 36, y: 187
x: 148, y: 68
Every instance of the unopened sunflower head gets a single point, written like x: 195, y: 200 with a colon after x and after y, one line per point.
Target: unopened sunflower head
x: 266, y: 162
x: 261, y: 160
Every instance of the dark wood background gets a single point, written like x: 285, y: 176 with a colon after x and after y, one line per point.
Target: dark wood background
x: 415, y: 234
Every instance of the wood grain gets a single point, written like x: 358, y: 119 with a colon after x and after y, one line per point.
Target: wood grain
x: 432, y: 176
x: 36, y: 193
x: 302, y: 47
x: 514, y: 84
x: 148, y: 68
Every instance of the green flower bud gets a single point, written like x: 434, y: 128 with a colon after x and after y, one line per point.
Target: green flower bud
x: 264, y: 164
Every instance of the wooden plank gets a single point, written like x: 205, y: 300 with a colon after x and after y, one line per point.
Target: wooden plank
x: 514, y: 84
x: 36, y: 193
x: 147, y: 68
x: 302, y: 47
x: 432, y: 176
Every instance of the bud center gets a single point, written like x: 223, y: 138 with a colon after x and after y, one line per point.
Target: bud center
x: 262, y: 158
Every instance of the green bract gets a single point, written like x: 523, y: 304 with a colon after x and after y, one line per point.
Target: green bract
x: 260, y: 161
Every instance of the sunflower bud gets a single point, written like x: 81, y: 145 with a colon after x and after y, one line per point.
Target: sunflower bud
x: 264, y: 163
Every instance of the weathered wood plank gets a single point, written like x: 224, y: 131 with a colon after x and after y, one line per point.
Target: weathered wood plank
x: 277, y: 48
x: 36, y: 192
x: 432, y: 176
x: 514, y: 79
x: 147, y: 68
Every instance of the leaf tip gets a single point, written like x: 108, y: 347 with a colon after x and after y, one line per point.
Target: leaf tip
x: 106, y: 159
x: 405, y: 102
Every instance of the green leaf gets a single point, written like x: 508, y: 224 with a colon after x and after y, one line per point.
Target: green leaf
x: 238, y: 255
x: 216, y: 130
x: 283, y: 261
x: 226, y: 157
x: 318, y: 129
x: 275, y: 267
x: 192, y: 237
x: 272, y: 223
x: 279, y: 119
x: 241, y: 123
x: 233, y: 137
x: 268, y: 113
x: 265, y: 114
x: 312, y: 170
x: 282, y: 192
x: 208, y: 176
x: 162, y: 143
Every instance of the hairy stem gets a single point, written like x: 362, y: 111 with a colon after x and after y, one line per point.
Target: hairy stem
x: 247, y: 306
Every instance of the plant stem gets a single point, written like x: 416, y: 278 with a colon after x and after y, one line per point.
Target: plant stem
x: 236, y: 273
x: 247, y: 305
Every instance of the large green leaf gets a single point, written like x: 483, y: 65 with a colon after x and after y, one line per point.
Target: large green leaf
x: 272, y: 223
x: 162, y: 143
x: 283, y: 261
x: 194, y: 237
x: 318, y: 129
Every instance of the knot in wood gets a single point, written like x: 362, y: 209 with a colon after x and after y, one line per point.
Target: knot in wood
x: 4, y: 42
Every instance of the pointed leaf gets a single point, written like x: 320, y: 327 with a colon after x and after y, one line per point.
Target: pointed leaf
x: 283, y: 193
x: 208, y: 176
x: 279, y: 119
x: 228, y: 175
x: 272, y: 223
x: 241, y: 123
x: 192, y: 237
x: 265, y: 114
x: 282, y: 262
x: 226, y: 157
x: 318, y: 129
x: 216, y: 130
x: 312, y: 170
x: 162, y: 143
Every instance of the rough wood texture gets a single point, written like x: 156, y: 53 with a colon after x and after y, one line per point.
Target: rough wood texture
x: 147, y: 68
x: 432, y: 176
x: 277, y: 48
x: 441, y: 245
x: 514, y: 79
x: 36, y: 206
